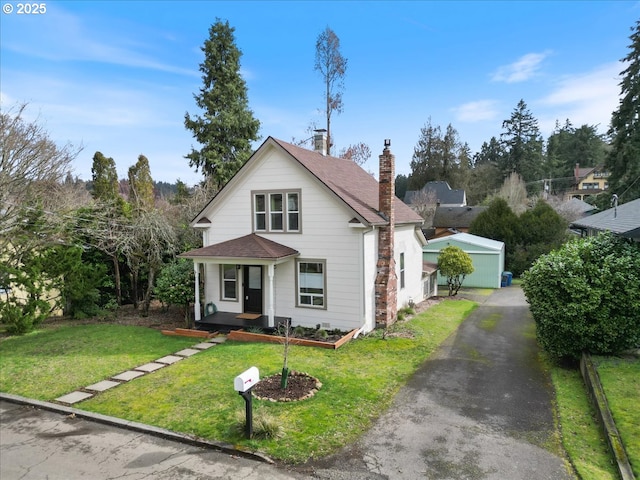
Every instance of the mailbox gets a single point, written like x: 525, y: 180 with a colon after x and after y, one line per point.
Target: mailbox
x: 246, y: 380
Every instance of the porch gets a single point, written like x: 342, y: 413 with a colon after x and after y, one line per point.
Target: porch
x: 227, y: 321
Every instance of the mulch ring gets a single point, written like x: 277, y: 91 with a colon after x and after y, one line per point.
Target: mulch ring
x: 300, y: 386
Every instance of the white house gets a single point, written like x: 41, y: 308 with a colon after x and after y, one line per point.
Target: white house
x: 302, y: 235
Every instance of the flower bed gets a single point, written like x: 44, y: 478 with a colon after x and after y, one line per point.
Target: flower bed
x: 244, y: 336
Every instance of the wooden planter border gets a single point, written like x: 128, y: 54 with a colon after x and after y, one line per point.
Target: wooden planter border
x: 243, y: 336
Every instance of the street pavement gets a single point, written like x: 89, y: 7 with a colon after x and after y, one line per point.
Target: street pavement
x: 37, y: 444
x: 480, y: 408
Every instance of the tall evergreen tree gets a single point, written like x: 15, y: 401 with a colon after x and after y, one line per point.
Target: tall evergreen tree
x: 104, y: 178
x: 227, y: 126
x: 332, y: 66
x: 141, y: 194
x: 624, y: 159
x: 522, y: 143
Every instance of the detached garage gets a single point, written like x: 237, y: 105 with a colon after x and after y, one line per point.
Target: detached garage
x: 487, y: 256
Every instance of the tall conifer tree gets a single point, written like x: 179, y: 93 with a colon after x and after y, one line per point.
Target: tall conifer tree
x: 624, y: 159
x: 226, y: 127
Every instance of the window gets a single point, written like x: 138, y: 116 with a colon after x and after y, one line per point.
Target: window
x: 229, y: 282
x: 260, y: 212
x: 293, y: 212
x: 277, y: 211
x: 311, y: 284
x: 402, y: 270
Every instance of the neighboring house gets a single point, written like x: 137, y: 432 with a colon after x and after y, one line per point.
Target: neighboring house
x: 589, y: 181
x: 450, y: 220
x: 623, y: 220
x: 487, y: 255
x: 440, y: 192
x: 302, y: 235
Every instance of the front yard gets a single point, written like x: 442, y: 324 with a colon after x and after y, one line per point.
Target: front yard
x: 196, y: 396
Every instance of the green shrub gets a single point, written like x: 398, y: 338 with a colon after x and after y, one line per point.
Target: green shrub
x: 584, y: 296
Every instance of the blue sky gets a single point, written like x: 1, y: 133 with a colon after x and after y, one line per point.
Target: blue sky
x: 118, y: 76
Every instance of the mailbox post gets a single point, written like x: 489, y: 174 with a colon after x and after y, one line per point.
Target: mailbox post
x: 243, y: 384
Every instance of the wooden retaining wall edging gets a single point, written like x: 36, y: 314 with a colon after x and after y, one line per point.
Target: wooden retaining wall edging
x: 599, y: 400
x: 244, y: 336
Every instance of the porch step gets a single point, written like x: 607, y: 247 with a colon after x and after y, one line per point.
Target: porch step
x: 186, y: 332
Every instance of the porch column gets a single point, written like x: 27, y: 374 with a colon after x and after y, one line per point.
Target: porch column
x: 196, y: 306
x: 271, y: 308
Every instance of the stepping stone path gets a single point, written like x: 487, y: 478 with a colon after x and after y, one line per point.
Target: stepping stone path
x: 124, y: 377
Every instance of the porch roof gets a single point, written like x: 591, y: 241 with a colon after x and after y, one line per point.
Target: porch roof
x: 249, y: 247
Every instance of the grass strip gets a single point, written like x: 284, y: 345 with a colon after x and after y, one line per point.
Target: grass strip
x: 620, y: 378
x: 582, y: 436
x: 359, y: 380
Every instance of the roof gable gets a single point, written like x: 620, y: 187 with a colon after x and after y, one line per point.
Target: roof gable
x: 346, y: 180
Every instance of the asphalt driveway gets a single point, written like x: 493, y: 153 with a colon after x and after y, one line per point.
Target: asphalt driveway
x: 481, y: 408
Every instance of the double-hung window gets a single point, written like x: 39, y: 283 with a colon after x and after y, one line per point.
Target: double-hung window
x: 229, y: 282
x: 311, y: 283
x: 277, y: 211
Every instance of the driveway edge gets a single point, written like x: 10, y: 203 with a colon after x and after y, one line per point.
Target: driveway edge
x: 136, y: 427
x: 599, y: 401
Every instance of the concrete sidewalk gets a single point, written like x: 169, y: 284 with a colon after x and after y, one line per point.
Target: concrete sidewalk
x: 481, y: 408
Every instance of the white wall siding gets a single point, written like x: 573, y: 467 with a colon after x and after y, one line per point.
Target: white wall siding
x: 407, y: 243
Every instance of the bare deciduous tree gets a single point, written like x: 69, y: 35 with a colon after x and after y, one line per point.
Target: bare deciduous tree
x: 332, y: 66
x: 30, y: 162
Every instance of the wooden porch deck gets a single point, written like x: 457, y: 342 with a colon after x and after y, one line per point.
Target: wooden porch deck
x: 227, y: 321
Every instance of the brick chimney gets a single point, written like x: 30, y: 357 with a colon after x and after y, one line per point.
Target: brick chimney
x: 320, y: 141
x: 386, y: 279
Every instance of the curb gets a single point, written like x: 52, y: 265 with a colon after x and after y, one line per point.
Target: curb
x: 599, y: 400
x: 136, y: 427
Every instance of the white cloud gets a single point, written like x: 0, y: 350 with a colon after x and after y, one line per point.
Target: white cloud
x: 585, y: 98
x: 477, y: 111
x: 521, y: 70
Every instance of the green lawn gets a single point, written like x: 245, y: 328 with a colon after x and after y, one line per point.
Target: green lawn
x: 196, y: 396
x: 49, y: 363
x: 621, y: 382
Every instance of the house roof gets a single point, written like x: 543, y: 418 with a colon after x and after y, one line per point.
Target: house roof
x: 456, y: 217
x: 350, y: 183
x: 624, y: 220
x: 442, y: 191
x: 249, y: 246
x: 345, y: 179
x: 470, y: 240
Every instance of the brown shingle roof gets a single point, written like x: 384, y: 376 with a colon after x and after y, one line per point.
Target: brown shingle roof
x: 249, y: 246
x: 351, y: 183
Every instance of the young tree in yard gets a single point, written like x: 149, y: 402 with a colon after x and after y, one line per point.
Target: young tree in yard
x: 330, y: 63
x: 584, y: 297
x: 175, y: 286
x: 455, y: 264
x: 227, y: 126
x: 624, y: 159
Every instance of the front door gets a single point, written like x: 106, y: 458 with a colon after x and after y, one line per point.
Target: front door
x: 252, y: 289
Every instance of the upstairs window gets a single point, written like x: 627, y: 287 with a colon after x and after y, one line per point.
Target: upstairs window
x: 277, y: 211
